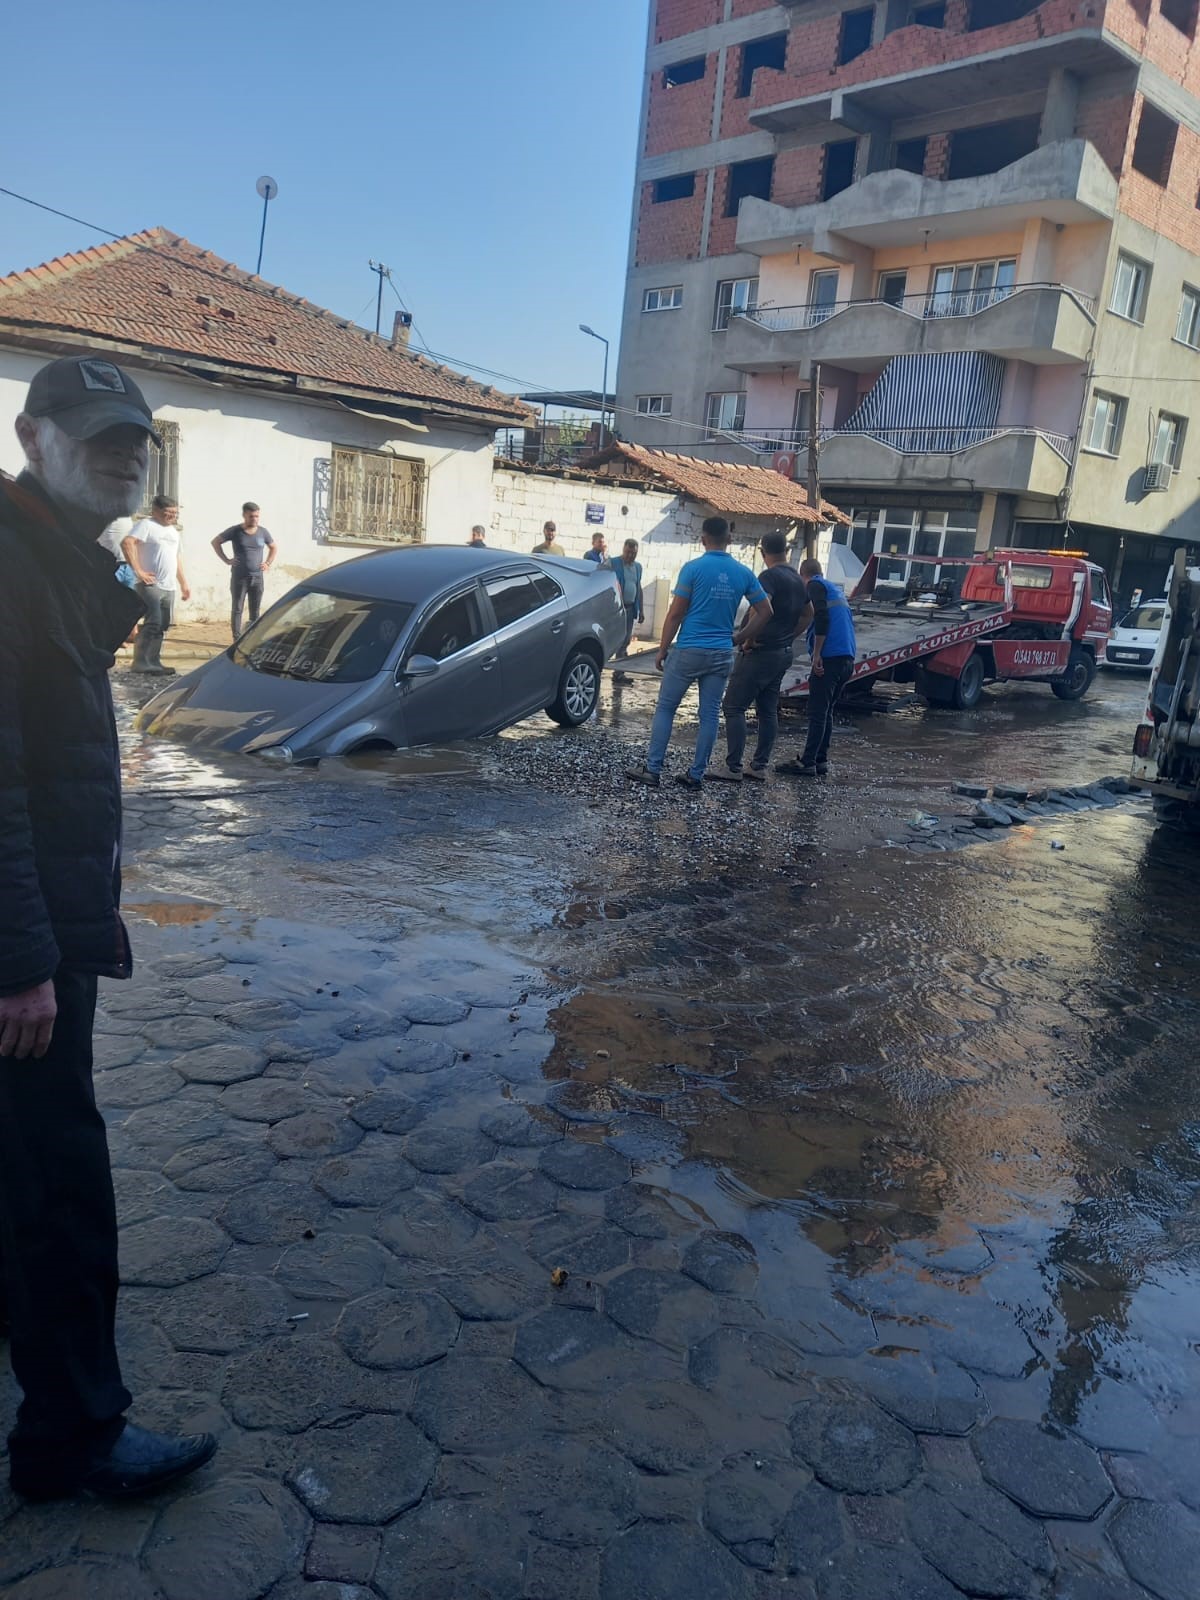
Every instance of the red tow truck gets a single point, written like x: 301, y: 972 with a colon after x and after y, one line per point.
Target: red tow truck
x: 950, y: 626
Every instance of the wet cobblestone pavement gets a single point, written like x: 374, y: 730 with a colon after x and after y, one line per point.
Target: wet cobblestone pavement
x: 550, y: 1199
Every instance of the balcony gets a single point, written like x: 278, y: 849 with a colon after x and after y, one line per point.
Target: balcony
x: 1066, y: 182
x: 1042, y: 323
x: 1021, y: 461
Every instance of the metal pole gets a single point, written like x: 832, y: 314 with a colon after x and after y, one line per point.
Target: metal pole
x: 382, y: 272
x: 262, y: 235
x: 604, y: 396
x: 814, y: 461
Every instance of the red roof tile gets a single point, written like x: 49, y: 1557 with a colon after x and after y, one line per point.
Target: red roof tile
x: 160, y: 292
x: 729, y: 487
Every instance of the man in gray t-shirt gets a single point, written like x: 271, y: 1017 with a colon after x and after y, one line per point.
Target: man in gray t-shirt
x: 253, y: 552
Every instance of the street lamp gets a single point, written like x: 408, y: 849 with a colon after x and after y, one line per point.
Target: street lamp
x: 591, y: 332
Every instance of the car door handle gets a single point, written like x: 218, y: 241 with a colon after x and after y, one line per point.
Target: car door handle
x: 489, y: 662
x: 557, y: 627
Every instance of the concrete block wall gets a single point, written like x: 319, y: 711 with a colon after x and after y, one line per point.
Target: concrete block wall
x: 681, y: 117
x: 673, y: 18
x: 670, y: 231
x: 1170, y: 209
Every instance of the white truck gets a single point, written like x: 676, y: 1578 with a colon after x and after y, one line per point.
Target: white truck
x: 1166, y: 746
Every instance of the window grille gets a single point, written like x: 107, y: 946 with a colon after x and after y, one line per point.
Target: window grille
x: 376, y: 497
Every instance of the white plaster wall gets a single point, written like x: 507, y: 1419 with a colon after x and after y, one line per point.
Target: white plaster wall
x: 235, y: 446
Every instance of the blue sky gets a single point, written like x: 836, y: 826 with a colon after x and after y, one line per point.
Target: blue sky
x: 483, y: 151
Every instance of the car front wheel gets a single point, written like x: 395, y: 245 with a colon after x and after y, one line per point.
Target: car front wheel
x: 578, y: 690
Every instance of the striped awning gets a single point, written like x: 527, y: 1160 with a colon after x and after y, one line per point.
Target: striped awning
x: 923, y: 403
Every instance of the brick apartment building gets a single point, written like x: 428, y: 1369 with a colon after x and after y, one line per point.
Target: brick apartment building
x: 980, y: 217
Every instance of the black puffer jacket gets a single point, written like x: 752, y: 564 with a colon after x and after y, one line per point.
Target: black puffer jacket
x: 62, y: 616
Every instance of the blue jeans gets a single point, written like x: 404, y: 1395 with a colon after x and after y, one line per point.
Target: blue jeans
x: 710, y: 669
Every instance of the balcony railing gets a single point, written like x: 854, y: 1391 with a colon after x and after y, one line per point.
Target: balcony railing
x: 934, y: 303
x: 904, y: 441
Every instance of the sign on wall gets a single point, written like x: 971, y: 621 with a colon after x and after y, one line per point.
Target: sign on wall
x: 594, y: 513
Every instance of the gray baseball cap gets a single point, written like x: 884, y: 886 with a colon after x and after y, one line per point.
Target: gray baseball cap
x: 85, y: 395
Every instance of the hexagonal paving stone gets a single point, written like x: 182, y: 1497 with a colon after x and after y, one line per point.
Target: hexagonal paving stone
x: 978, y: 1540
x: 523, y: 1127
x: 575, y: 1492
x: 425, y: 1227
x: 188, y: 1032
x: 441, y: 1150
x: 111, y: 1052
x: 453, y: 1550
x: 260, y: 1016
x: 370, y: 1176
x: 500, y: 1292
x: 671, y: 1561
x: 576, y: 1165
x: 812, y: 1531
x: 929, y: 1396
x: 660, y: 1431
x: 478, y: 1404
x: 568, y: 1348
x: 854, y: 1446
x: 140, y: 1195
x: 265, y: 1100
x: 433, y: 1009
x: 1160, y: 1546
x: 664, y: 1306
x: 168, y: 1127
x: 244, y: 1534
x: 392, y: 1329
x: 221, y: 1063
x: 165, y: 1251
x: 80, y: 1580
x: 130, y: 1087
x: 314, y: 1133
x: 507, y: 1193
x: 294, y: 1381
x: 421, y: 1056
x: 873, y: 1574
x: 274, y: 1213
x: 1047, y: 1476
x: 336, y: 1266
x: 755, y: 1371
x: 582, y: 1245
x: 387, y: 1110
x: 722, y: 1262
x: 222, y: 1313
x: 219, y: 1165
x: 368, y: 1469
x: 747, y: 1500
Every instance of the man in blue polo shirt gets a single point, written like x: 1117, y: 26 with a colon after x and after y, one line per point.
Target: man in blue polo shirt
x: 833, y: 648
x: 700, y: 620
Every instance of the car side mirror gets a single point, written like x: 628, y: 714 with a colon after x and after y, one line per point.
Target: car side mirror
x: 418, y: 667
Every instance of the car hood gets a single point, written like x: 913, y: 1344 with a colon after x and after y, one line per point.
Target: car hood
x: 224, y: 706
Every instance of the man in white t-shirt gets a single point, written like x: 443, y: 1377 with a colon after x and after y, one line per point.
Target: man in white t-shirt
x: 151, y: 548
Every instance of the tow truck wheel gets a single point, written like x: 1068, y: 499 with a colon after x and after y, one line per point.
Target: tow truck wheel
x: 1077, y: 679
x: 969, y: 686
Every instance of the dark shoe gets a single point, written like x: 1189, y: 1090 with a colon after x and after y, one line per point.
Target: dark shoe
x: 139, y: 1463
x: 822, y: 771
x: 724, y: 775
x: 622, y: 677
x: 796, y: 769
x: 643, y: 775
x: 686, y: 781
x: 755, y: 774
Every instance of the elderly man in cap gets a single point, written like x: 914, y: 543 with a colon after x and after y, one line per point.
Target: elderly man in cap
x: 85, y: 431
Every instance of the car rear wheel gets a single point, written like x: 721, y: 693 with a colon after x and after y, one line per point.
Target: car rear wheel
x: 968, y: 686
x: 1077, y: 680
x: 578, y: 690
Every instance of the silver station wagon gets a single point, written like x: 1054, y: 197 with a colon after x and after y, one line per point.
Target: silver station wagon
x: 403, y: 647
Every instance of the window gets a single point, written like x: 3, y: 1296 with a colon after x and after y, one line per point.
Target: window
x: 839, y: 167
x: 453, y: 626
x: 892, y: 287
x: 801, y: 411
x: 1181, y: 14
x: 991, y: 13
x: 1187, y: 324
x: 685, y: 72
x: 654, y: 405
x: 1130, y: 284
x: 163, y: 477
x: 680, y: 187
x: 1024, y: 577
x: 1104, y: 423
x: 1168, y: 440
x: 822, y: 295
x: 376, y: 496
x: 749, y: 180
x: 733, y: 295
x: 668, y: 299
x: 546, y: 587
x: 959, y: 291
x: 928, y: 16
x: 770, y: 52
x: 857, y: 27
x: 513, y: 598
x: 1154, y: 147
x: 974, y: 152
x: 323, y: 638
x: 897, y: 533
x: 724, y: 413
x: 909, y: 155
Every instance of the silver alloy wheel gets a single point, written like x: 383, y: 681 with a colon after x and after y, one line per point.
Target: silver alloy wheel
x: 579, y: 690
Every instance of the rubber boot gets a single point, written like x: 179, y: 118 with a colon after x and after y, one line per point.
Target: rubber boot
x: 142, y: 661
x: 154, y: 651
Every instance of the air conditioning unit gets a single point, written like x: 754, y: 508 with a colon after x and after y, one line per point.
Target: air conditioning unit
x: 1156, y: 477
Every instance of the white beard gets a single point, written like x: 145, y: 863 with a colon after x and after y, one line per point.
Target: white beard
x: 64, y: 474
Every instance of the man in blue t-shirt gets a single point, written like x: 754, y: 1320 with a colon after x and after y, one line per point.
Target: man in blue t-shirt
x: 700, y: 620
x: 833, y: 648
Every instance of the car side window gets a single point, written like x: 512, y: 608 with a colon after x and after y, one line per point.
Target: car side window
x: 451, y: 628
x: 514, y: 597
x: 547, y: 588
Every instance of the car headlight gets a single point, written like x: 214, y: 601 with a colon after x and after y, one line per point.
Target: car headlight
x: 279, y: 755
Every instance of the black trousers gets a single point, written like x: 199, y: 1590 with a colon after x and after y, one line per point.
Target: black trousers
x: 245, y: 589
x: 824, y: 692
x: 58, y: 1233
x: 755, y: 681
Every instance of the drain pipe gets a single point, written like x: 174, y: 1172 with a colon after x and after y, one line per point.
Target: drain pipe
x: 1063, y: 501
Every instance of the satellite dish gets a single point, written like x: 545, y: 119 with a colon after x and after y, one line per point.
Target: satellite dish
x: 267, y: 188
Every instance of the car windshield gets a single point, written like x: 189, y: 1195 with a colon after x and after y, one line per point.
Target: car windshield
x: 323, y: 638
x: 1149, y: 617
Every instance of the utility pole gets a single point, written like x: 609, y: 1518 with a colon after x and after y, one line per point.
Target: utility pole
x: 384, y: 272
x: 814, y: 456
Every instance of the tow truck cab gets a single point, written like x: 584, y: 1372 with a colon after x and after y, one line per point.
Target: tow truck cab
x: 1061, y: 615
